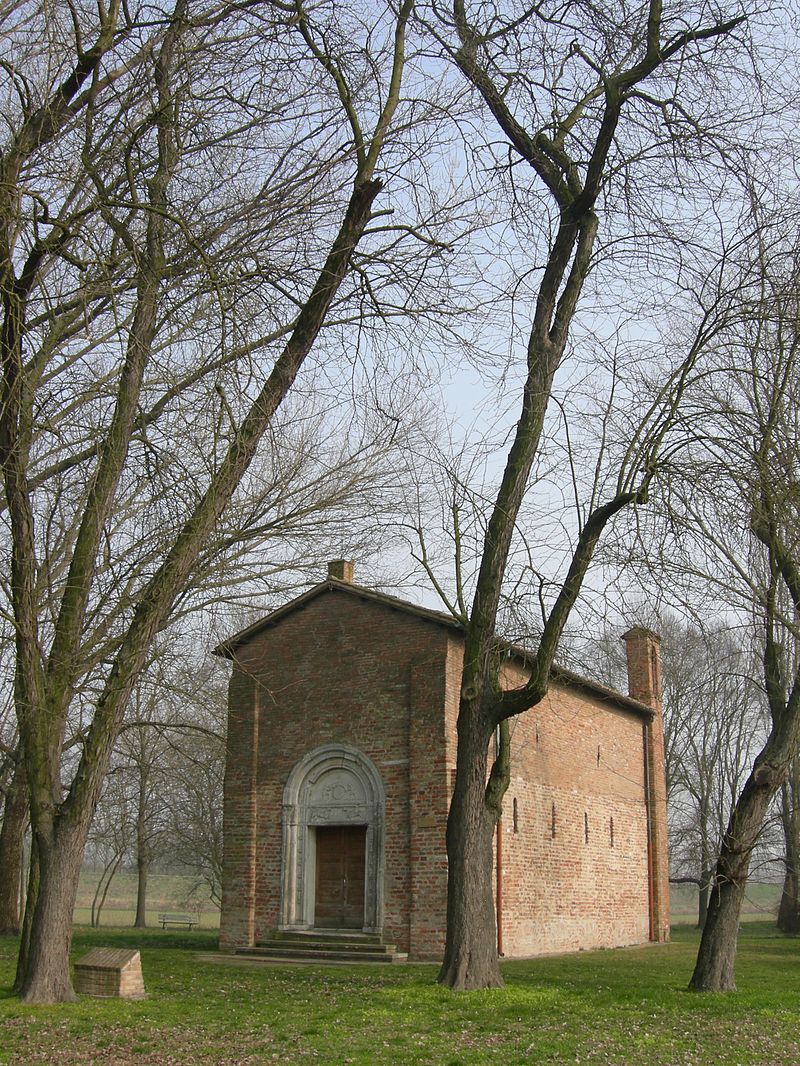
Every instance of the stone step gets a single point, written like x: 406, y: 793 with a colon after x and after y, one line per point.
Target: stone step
x: 324, y: 954
x: 328, y: 936
x: 318, y: 944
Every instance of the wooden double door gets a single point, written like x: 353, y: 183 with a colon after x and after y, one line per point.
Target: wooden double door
x: 341, y: 855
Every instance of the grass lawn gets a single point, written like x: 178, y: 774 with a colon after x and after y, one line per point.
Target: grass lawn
x: 608, y: 1007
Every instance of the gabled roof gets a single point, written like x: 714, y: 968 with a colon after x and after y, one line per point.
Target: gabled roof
x: 228, y: 648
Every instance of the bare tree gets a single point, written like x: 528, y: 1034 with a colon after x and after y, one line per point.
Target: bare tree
x: 172, y: 749
x: 110, y: 838
x: 714, y: 718
x: 733, y: 496
x: 580, y: 97
x: 182, y: 192
x: 162, y: 800
x: 140, y: 752
x: 768, y: 475
x: 195, y: 832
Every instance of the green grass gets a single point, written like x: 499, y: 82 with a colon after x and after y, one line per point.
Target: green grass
x: 608, y: 1007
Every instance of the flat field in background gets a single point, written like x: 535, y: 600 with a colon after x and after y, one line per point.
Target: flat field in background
x: 166, y: 892
x: 179, y: 892
x: 610, y: 1008
x: 760, y: 903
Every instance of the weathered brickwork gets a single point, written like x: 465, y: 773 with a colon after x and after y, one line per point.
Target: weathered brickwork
x: 644, y: 683
x: 347, y: 671
x: 429, y: 797
x: 577, y: 770
x: 343, y: 666
x: 110, y: 973
x: 239, y: 812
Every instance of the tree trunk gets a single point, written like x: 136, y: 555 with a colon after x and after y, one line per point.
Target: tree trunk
x: 27, y: 921
x: 789, y: 909
x: 142, y: 870
x: 12, y: 846
x: 102, y: 887
x: 102, y: 890
x: 714, y: 969
x: 46, y: 976
x: 470, y: 959
x: 707, y: 854
x: 142, y: 854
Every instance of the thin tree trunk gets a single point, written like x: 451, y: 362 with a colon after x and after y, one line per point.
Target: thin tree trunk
x: 142, y: 854
x: 789, y: 908
x: 470, y: 959
x: 12, y: 847
x: 707, y: 857
x: 142, y: 870
x: 24, y: 871
x: 101, y: 889
x: 98, y: 904
x: 27, y: 921
x: 714, y: 969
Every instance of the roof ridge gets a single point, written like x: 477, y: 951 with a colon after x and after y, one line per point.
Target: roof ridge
x: 227, y: 648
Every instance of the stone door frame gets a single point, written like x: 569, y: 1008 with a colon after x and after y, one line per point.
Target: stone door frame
x: 358, y: 798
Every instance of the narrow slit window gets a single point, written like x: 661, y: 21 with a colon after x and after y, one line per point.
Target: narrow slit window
x: 515, y: 815
x: 598, y: 754
x: 611, y: 829
x: 586, y: 827
x: 553, y: 821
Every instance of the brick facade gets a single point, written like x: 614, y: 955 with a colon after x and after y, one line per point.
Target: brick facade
x: 365, y: 687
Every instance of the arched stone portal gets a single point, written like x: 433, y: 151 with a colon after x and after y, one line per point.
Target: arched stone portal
x: 334, y: 785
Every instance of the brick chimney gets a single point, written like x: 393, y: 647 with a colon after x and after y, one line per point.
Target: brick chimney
x: 643, y: 650
x: 341, y: 570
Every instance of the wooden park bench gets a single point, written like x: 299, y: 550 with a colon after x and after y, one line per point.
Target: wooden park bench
x: 179, y: 919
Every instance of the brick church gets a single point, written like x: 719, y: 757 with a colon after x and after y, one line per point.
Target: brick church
x: 341, y: 754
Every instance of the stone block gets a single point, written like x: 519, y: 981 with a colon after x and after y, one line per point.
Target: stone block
x: 110, y: 973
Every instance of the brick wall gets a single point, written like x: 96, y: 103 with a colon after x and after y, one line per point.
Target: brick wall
x: 644, y: 683
x: 560, y: 892
x: 575, y: 871
x: 239, y: 813
x: 429, y: 798
x: 339, y: 670
x: 344, y: 669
